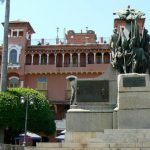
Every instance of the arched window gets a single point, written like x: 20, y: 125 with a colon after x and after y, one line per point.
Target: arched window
x: 66, y: 60
x: 75, y: 60
x: 51, y: 59
x: 28, y: 59
x: 90, y: 58
x: 98, y: 58
x: 59, y: 60
x: 13, y: 57
x: 106, y: 58
x: 14, y: 82
x: 36, y: 59
x: 43, y: 59
x: 83, y: 60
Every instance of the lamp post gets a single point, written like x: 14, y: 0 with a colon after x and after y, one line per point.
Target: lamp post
x: 27, y: 100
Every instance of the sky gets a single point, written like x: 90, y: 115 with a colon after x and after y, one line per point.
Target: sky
x: 46, y: 15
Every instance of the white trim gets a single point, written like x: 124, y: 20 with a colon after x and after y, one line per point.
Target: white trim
x: 17, y: 48
x: 13, y: 77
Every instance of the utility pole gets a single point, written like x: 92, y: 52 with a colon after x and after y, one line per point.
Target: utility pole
x: 3, y: 85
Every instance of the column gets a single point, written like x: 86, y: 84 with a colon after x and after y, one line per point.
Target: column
x: 86, y: 58
x: 39, y: 59
x: 47, y: 59
x: 55, y: 58
x: 102, y: 58
x: 70, y: 59
x: 110, y: 56
x: 22, y: 84
x: 32, y: 59
x: 17, y: 32
x: 11, y: 35
x: 94, y: 58
x: 63, y: 55
x: 78, y: 59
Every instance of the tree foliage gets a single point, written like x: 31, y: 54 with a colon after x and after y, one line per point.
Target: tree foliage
x: 12, y: 111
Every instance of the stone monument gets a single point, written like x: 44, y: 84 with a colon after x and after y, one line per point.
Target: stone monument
x: 133, y: 110
x: 118, y: 99
x: 94, y: 105
x: 112, y: 111
x: 130, y: 44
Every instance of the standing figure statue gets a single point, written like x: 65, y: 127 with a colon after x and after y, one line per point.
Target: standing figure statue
x: 130, y: 46
x: 73, y: 85
x: 113, y: 45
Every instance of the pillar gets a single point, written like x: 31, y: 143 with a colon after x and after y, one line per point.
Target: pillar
x: 102, y: 58
x: 32, y: 59
x: 39, y: 59
x: 55, y: 58
x: 78, y: 59
x: 70, y: 59
x: 94, y: 58
x: 47, y: 59
x: 86, y: 58
x: 63, y: 55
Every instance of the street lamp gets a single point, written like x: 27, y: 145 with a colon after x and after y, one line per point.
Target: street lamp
x: 28, y: 100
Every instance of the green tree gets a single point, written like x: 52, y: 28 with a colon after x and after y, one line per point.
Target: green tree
x: 12, y: 111
x: 5, y: 47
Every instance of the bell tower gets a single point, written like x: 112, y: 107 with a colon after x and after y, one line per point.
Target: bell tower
x: 20, y: 33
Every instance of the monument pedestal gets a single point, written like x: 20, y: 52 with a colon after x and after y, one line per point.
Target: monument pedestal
x: 133, y: 111
x: 96, y: 100
x: 81, y: 120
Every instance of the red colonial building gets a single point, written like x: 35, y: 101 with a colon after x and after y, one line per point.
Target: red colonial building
x: 45, y: 66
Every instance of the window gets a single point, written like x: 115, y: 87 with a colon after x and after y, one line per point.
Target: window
x: 13, y: 57
x: 14, y: 82
x: 20, y: 33
x: 14, y: 33
x: 42, y: 83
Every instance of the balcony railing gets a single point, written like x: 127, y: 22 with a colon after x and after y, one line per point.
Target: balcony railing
x: 100, y: 40
x: 54, y: 69
x: 11, y: 147
x: 16, y: 65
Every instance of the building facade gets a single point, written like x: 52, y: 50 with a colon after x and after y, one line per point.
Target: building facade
x: 45, y: 66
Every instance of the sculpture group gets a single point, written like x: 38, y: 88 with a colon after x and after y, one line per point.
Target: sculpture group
x: 130, y: 44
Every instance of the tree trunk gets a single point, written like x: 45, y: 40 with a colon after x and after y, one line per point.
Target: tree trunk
x: 5, y: 49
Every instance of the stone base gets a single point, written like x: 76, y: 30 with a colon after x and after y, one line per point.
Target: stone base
x: 81, y: 120
x: 123, y: 139
x: 79, y: 137
x: 133, y: 111
x: 134, y: 119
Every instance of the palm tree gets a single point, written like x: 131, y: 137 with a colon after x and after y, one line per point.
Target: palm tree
x: 5, y: 48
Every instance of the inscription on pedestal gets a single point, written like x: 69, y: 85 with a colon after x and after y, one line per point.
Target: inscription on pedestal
x: 134, y: 82
x: 92, y: 91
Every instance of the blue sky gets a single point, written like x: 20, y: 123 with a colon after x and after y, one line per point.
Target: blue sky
x: 46, y: 15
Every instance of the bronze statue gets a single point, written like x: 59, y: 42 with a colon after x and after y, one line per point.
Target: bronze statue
x: 129, y: 45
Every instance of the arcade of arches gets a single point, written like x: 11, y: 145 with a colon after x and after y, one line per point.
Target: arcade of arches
x: 68, y: 59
